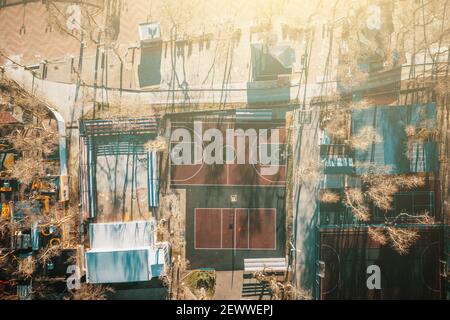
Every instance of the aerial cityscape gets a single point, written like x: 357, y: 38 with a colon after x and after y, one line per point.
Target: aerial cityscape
x: 224, y: 150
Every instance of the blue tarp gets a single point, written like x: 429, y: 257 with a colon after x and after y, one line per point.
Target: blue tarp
x: 125, y: 265
x: 124, y: 252
x: 117, y: 266
x: 390, y: 123
x: 119, y: 235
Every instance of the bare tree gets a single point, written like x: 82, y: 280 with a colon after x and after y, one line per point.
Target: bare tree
x: 90, y: 292
x: 400, y: 239
x: 364, y: 139
x: 35, y: 139
x: 157, y: 145
x: 354, y: 199
x: 327, y: 196
x: 281, y: 290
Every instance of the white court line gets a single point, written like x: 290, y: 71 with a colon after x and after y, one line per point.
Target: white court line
x: 274, y: 210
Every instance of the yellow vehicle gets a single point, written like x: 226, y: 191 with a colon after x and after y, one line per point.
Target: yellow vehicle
x: 5, y: 211
x: 6, y: 187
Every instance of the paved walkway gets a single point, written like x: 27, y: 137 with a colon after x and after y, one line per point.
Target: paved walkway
x: 305, y: 217
x: 228, y: 285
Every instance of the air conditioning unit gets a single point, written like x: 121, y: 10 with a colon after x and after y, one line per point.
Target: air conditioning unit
x: 149, y: 33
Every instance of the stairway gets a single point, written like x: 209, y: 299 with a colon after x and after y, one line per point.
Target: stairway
x: 252, y: 289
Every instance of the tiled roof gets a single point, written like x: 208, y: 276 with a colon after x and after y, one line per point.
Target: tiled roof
x: 7, y: 118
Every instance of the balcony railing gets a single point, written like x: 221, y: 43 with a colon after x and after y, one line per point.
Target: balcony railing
x: 408, y: 207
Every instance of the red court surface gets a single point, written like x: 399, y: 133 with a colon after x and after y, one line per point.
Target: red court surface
x: 241, y: 228
x: 233, y: 174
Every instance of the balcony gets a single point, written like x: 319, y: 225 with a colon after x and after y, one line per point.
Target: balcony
x: 336, y: 158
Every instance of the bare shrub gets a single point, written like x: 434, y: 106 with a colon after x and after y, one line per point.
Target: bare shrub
x: 281, y: 290
x: 7, y: 227
x: 365, y: 138
x: 382, y: 186
x: 409, y: 181
x: 90, y: 292
x: 27, y: 169
x: 329, y: 197
x: 33, y: 141
x: 169, y: 229
x: 170, y: 205
x: 46, y: 254
x: 360, y: 105
x: 382, y: 194
x: 27, y: 102
x: 378, y: 235
x: 416, y: 138
x: 402, y: 239
x: 26, y: 267
x: 354, y: 198
x: 157, y: 145
x: 425, y: 219
x: 336, y: 125
x: 201, y: 283
x: 178, y: 289
x: 410, y: 131
x: 171, y: 223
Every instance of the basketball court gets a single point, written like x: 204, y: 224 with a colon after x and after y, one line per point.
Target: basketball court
x: 250, y: 166
x: 231, y: 173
